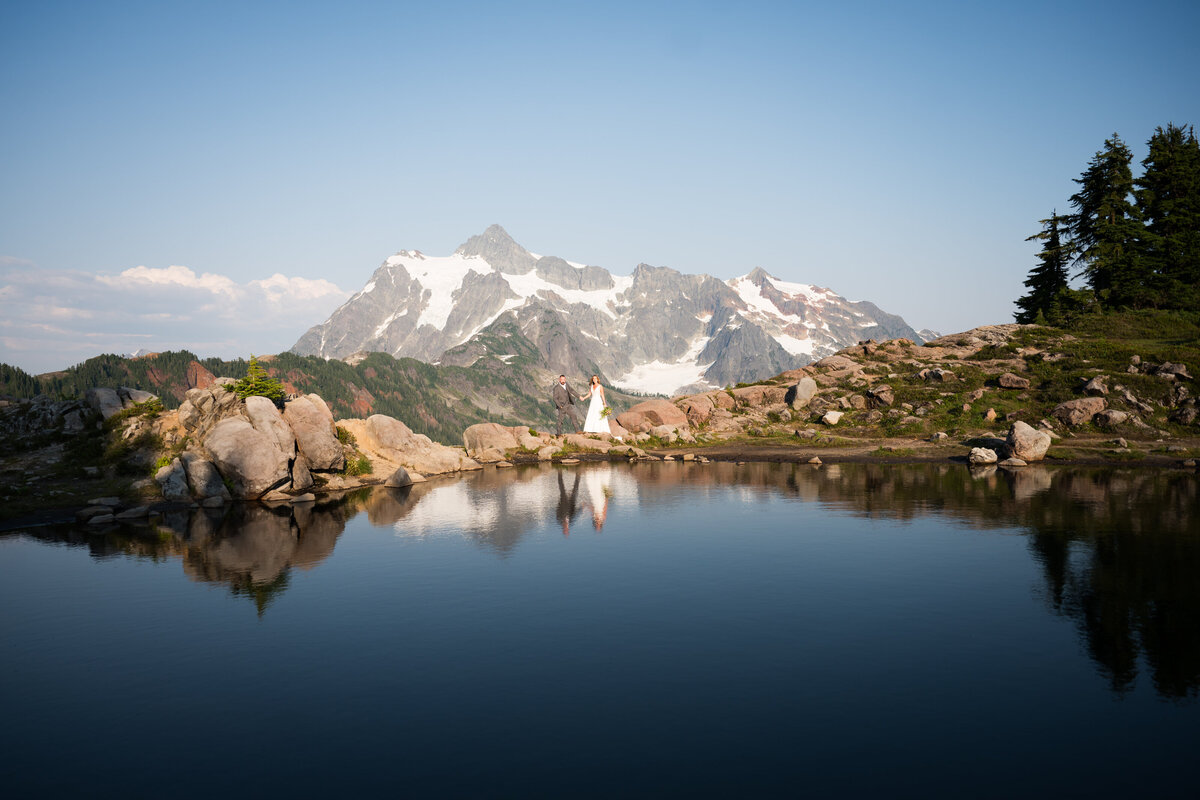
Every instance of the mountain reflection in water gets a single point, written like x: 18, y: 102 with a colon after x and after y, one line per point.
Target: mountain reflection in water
x: 1119, y: 550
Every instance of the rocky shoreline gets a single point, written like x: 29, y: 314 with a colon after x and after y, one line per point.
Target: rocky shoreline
x: 116, y: 455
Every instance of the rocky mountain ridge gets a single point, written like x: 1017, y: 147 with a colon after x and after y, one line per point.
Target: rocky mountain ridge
x: 655, y: 331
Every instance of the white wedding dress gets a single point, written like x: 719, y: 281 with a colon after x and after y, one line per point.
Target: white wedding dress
x: 594, y: 423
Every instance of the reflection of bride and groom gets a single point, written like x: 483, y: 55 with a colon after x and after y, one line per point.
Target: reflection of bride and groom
x: 564, y: 398
x: 598, y: 491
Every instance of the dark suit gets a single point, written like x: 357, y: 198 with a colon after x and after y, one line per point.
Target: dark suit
x: 564, y: 404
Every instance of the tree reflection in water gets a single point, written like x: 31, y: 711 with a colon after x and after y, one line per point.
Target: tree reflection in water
x: 1119, y: 549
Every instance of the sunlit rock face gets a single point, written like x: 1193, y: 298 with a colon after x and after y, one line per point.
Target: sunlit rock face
x: 657, y: 330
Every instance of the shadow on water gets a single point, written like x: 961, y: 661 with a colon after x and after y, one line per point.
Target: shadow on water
x: 1119, y: 549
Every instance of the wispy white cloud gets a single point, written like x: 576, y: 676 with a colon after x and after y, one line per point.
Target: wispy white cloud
x: 53, y: 319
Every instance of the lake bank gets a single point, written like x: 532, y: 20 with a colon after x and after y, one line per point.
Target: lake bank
x: 57, y: 499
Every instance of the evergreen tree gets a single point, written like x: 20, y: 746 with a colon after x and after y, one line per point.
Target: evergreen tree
x: 258, y: 382
x: 1048, y: 280
x: 1168, y: 199
x: 1107, y: 229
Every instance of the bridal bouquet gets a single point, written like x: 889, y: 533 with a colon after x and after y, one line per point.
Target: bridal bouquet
x: 604, y: 412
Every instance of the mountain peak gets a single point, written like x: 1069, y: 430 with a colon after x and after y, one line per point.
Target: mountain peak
x: 500, y: 250
x: 758, y: 275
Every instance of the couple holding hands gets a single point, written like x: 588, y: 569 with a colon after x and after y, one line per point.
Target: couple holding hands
x: 564, y: 398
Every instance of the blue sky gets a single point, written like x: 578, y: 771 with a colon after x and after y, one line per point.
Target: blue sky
x: 898, y: 153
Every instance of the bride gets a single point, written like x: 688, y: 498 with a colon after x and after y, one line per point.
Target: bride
x: 595, y: 423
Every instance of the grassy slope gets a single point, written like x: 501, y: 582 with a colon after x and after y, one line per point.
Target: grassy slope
x: 1095, y: 345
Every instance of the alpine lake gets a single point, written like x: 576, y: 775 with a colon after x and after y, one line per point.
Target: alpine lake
x: 601, y: 630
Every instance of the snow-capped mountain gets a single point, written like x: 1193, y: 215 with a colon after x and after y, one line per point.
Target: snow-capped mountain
x: 657, y: 330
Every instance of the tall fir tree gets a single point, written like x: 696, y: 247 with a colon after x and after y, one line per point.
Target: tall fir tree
x: 259, y: 382
x: 1108, y: 231
x: 1047, y: 281
x: 1168, y: 197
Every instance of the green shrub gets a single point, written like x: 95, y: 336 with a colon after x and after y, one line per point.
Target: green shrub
x: 344, y: 436
x: 358, y: 466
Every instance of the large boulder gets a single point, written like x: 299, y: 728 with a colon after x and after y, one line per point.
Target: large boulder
x: 249, y: 458
x: 881, y: 396
x: 647, y: 414
x: 1111, y: 418
x: 203, y: 477
x: 1172, y: 371
x: 722, y: 399
x: 104, y: 402
x: 1010, y: 381
x: 759, y: 395
x: 697, y: 408
x: 1077, y: 412
x: 396, y: 442
x: 265, y: 418
x: 172, y: 480
x: 488, y: 435
x: 1027, y: 443
x: 800, y: 395
x: 301, y: 476
x: 312, y: 424
x: 982, y: 456
x: 399, y: 479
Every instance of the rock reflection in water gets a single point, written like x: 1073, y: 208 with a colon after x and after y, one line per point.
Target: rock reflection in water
x: 252, y: 547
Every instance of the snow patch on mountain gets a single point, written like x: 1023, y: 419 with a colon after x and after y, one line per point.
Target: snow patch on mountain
x: 603, y: 300
x: 795, y: 346
x: 659, y: 377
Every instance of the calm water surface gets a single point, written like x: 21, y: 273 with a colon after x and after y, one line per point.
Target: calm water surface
x: 656, y: 630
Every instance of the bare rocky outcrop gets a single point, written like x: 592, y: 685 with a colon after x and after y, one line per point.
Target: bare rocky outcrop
x: 203, y: 408
x: 390, y: 440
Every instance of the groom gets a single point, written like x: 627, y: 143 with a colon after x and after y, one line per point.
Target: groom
x: 564, y: 403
